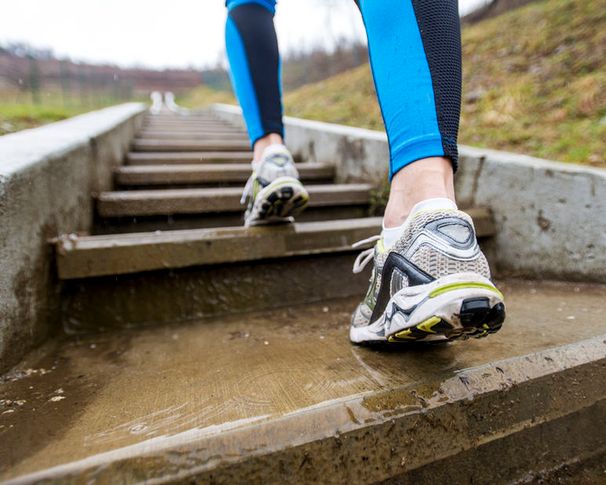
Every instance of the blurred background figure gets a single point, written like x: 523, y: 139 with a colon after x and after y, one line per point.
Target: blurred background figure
x: 171, y: 104
x: 157, y: 103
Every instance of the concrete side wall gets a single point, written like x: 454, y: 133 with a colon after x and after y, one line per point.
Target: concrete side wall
x: 357, y: 153
x: 551, y: 216
x: 47, y: 176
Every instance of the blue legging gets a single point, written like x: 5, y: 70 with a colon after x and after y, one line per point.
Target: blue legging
x: 415, y: 57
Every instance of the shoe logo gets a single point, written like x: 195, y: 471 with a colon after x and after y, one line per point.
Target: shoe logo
x: 396, y: 262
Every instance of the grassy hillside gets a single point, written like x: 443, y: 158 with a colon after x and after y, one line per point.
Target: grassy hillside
x: 534, y: 82
x: 16, y: 116
x: 203, y: 95
x: 18, y: 111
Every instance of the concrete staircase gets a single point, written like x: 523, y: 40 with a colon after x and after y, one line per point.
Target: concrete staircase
x: 174, y: 226
x: 211, y: 352
x: 197, y: 182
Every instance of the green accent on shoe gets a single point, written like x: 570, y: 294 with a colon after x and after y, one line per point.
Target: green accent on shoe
x: 427, y: 325
x: 460, y: 286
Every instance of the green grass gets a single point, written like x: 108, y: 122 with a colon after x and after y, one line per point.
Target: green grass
x: 15, y: 117
x: 18, y: 111
x: 534, y: 82
x: 203, y: 95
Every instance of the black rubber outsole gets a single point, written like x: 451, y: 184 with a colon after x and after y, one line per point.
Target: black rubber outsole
x: 478, y: 320
x: 282, y: 204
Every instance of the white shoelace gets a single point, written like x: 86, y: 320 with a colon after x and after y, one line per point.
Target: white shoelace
x: 365, y: 256
x: 247, y: 192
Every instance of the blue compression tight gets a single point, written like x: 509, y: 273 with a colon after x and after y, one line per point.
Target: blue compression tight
x: 415, y: 57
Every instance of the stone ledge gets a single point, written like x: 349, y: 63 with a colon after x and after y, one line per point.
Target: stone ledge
x: 47, y: 175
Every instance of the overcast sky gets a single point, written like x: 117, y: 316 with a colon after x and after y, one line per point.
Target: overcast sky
x: 160, y: 34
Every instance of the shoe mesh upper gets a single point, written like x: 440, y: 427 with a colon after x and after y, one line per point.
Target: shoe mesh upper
x: 428, y: 257
x: 438, y: 264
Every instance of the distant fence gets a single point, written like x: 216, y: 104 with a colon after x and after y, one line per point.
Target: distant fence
x: 33, y: 76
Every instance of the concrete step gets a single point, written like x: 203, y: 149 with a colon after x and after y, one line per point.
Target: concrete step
x: 282, y: 397
x: 189, y: 126
x: 197, y: 129
x: 180, y: 158
x: 189, y: 145
x: 134, y: 280
x: 178, y: 117
x: 213, y: 200
x: 184, y: 120
x: 176, y: 222
x: 201, y: 122
x: 181, y: 136
x: 205, y: 174
x: 189, y: 139
x: 90, y: 256
x: 99, y: 255
x: 192, y: 122
x: 183, y: 133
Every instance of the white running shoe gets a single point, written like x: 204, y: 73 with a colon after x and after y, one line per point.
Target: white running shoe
x: 273, y: 191
x: 433, y: 284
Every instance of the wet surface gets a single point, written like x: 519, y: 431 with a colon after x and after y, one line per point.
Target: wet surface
x: 80, y: 397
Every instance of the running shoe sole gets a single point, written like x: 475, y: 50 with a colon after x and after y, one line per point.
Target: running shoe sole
x: 279, y: 202
x: 458, y: 306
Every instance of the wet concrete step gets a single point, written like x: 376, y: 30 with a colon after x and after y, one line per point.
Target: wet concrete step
x: 209, y: 200
x: 169, y: 116
x: 190, y: 174
x: 190, y: 126
x: 149, y: 145
x: 86, y: 256
x: 282, y: 397
x: 183, y: 119
x: 179, y: 158
x: 191, y: 129
x: 89, y: 256
x: 135, y: 280
x: 177, y: 222
x: 188, y: 133
x: 199, y: 122
x: 186, y: 122
x: 182, y: 137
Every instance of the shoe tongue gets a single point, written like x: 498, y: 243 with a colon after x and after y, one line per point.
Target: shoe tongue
x: 277, y: 154
x: 392, y: 234
x: 441, y: 203
x: 277, y: 160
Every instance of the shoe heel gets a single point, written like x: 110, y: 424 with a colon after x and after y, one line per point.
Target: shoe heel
x: 287, y: 200
x: 479, y: 319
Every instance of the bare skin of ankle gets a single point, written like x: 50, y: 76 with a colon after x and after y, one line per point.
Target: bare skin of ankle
x: 424, y: 179
x: 262, y: 143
